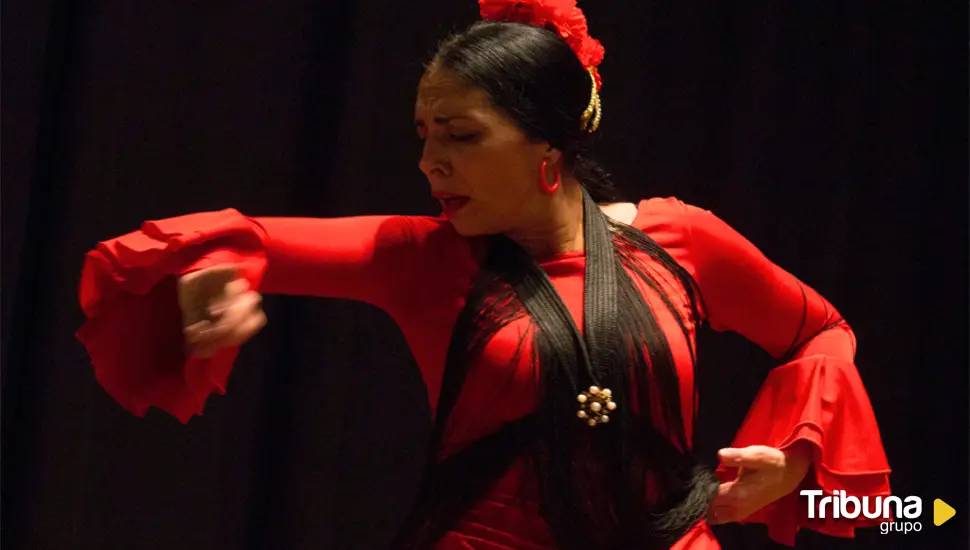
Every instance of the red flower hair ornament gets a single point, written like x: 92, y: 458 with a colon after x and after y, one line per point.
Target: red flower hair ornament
x: 560, y: 16
x: 564, y: 18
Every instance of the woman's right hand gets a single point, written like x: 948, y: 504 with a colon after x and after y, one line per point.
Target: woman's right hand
x: 219, y: 309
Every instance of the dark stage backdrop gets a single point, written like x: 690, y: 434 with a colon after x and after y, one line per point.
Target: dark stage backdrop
x: 832, y: 134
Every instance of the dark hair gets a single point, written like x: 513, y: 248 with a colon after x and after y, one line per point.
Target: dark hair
x: 593, y: 481
x: 535, y: 78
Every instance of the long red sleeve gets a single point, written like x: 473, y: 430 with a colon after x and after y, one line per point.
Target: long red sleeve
x: 815, y: 395
x: 128, y: 290
x: 367, y: 258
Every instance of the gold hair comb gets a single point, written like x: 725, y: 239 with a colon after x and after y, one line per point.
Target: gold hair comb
x: 594, y: 111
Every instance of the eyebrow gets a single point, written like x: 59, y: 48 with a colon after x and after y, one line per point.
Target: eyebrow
x: 443, y: 119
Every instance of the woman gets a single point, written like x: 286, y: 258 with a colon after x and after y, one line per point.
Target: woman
x: 554, y: 329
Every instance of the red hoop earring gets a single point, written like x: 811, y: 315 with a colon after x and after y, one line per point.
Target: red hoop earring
x: 545, y: 186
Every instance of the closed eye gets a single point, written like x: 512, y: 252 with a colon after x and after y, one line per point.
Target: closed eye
x: 464, y: 137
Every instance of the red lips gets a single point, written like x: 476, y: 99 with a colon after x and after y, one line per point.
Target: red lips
x: 451, y: 203
x: 445, y: 196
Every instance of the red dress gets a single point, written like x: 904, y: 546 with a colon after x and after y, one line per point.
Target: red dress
x: 419, y: 270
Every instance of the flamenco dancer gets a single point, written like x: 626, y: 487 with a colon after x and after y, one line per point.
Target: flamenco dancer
x: 554, y: 329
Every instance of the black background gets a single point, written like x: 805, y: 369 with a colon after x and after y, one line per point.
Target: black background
x: 832, y: 134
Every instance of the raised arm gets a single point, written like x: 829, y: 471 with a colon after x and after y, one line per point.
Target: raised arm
x: 745, y: 292
x: 359, y: 258
x: 128, y: 289
x: 814, y: 397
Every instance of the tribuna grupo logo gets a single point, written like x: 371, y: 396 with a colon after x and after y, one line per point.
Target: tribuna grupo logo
x: 897, y: 514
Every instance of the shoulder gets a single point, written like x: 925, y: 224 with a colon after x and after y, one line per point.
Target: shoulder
x: 428, y: 229
x: 668, y: 220
x: 686, y: 231
x: 668, y: 209
x: 695, y: 235
x: 437, y: 237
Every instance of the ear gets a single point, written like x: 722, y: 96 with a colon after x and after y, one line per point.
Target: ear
x: 552, y: 154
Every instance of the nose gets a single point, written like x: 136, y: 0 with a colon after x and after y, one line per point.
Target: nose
x: 433, y: 160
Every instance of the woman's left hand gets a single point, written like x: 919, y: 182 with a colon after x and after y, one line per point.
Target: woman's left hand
x: 765, y: 474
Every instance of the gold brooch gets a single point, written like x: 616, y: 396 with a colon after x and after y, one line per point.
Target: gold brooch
x: 595, y: 405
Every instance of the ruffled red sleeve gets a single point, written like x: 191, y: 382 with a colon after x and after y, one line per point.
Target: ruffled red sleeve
x: 815, y: 395
x: 133, y: 331
x: 128, y: 289
x: 821, y: 400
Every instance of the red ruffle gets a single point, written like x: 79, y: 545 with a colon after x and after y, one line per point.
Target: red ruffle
x: 133, y: 331
x: 821, y: 400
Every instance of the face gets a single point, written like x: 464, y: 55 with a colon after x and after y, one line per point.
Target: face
x: 481, y: 167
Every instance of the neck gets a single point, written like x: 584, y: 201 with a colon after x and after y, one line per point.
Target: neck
x: 556, y: 228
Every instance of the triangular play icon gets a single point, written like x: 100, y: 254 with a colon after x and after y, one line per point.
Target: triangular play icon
x: 942, y: 512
